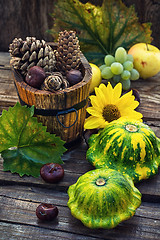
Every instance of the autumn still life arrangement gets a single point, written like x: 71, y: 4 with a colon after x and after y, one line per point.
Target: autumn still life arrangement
x: 124, y: 150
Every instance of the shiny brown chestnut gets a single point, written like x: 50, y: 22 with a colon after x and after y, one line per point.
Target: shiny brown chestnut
x: 52, y: 172
x: 46, y: 212
x: 74, y: 76
x: 35, y: 76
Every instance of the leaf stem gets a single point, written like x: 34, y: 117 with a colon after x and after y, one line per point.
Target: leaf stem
x: 147, y: 46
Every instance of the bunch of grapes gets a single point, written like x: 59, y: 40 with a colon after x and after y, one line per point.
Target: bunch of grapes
x: 119, y: 68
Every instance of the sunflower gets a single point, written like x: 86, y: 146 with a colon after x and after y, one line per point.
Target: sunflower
x: 109, y: 105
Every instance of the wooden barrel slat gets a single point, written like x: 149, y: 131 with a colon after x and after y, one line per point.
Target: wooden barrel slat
x: 61, y: 100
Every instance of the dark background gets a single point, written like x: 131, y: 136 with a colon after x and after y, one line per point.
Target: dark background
x: 22, y: 18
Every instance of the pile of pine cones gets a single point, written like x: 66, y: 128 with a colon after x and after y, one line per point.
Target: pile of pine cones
x: 56, y: 64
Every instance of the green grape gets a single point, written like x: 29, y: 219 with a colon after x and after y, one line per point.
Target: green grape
x: 121, y: 55
x: 109, y: 59
x: 102, y: 67
x: 126, y: 84
x: 116, y: 78
x: 116, y: 68
x: 106, y: 73
x: 112, y: 83
x: 134, y: 74
x: 128, y: 65
x: 125, y: 75
x: 130, y: 57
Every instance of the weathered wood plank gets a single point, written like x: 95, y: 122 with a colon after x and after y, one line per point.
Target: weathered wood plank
x: 25, y: 232
x: 26, y: 22
x: 8, y: 94
x: 4, y: 60
x: 149, y: 95
x: 18, y: 207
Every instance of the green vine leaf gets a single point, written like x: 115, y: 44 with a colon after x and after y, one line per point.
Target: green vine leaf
x: 24, y: 143
x: 16, y: 162
x: 100, y: 29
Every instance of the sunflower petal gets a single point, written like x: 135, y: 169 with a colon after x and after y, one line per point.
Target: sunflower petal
x: 125, y: 101
x: 127, y: 95
x: 135, y: 115
x: 100, y: 95
x: 94, y: 122
x: 108, y: 92
x: 134, y: 105
x: 117, y: 91
x: 130, y: 106
x: 105, y: 93
x: 96, y: 101
x: 94, y: 111
x: 132, y: 114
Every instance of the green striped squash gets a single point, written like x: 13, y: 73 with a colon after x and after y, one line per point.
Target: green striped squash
x: 102, y: 198
x: 128, y: 146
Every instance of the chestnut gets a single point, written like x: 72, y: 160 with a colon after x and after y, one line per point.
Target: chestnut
x: 46, y: 211
x: 74, y: 76
x: 35, y: 76
x: 52, y: 172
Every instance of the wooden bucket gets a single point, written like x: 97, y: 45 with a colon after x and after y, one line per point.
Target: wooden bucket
x: 62, y: 112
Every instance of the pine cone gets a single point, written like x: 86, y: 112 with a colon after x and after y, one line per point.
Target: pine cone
x: 54, y: 82
x: 68, y: 52
x: 31, y: 52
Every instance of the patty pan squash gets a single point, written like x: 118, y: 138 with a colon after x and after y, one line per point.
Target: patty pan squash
x: 128, y: 146
x: 102, y: 198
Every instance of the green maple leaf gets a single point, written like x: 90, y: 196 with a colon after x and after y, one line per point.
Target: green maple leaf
x: 24, y: 143
x: 100, y: 29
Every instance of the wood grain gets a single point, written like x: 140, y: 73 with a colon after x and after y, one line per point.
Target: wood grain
x: 25, y: 18
x: 21, y: 206
x: 8, y: 94
x: 26, y: 232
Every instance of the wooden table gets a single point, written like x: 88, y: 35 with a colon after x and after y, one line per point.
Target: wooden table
x: 19, y: 196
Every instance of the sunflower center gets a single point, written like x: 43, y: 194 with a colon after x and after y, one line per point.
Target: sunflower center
x: 111, y: 112
x: 131, y: 128
x: 100, y: 182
